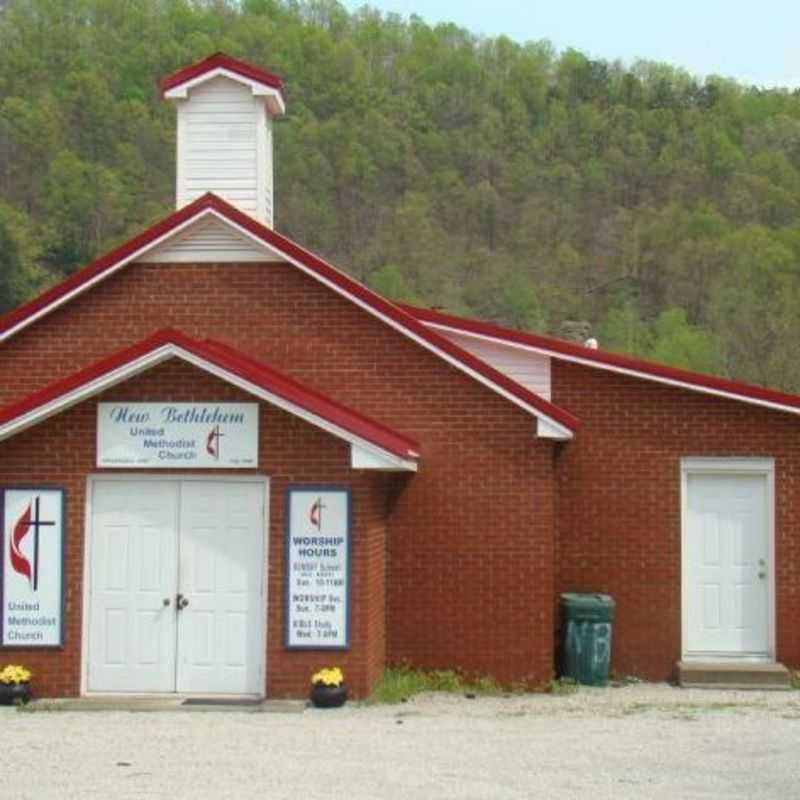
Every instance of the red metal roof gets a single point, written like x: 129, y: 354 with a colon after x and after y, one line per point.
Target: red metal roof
x: 221, y: 61
x: 604, y: 359
x: 323, y: 271
x: 230, y: 361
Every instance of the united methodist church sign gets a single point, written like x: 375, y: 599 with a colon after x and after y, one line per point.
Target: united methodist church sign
x: 163, y: 435
x: 32, y: 580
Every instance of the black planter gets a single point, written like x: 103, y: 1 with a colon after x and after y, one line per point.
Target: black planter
x: 323, y: 696
x: 14, y: 693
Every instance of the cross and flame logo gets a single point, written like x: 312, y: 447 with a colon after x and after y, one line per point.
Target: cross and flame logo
x: 213, y: 442
x: 315, y: 515
x: 20, y: 563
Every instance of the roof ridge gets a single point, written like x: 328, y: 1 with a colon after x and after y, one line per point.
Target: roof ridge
x: 220, y: 60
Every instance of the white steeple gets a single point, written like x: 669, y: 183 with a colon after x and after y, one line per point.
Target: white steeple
x: 225, y: 113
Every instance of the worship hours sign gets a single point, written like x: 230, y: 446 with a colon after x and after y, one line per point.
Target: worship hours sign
x: 32, y: 574
x: 318, y: 574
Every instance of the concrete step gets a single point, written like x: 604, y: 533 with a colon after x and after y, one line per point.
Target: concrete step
x: 156, y: 704
x: 733, y: 675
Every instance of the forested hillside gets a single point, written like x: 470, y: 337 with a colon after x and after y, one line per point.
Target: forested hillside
x: 501, y: 180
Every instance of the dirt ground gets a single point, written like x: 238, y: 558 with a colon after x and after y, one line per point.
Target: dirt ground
x: 643, y: 741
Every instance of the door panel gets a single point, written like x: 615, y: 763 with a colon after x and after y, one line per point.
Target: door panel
x: 220, y: 631
x: 133, y: 568
x: 727, y: 564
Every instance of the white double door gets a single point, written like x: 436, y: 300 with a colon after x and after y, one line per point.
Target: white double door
x: 176, y: 598
x: 727, y: 569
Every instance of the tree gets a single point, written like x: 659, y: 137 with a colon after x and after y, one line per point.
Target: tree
x: 755, y: 308
x: 10, y: 268
x: 389, y: 281
x: 82, y: 202
x: 495, y: 179
x: 676, y: 342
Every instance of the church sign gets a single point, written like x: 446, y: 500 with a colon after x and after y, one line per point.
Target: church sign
x: 318, y: 568
x: 169, y: 435
x: 32, y: 575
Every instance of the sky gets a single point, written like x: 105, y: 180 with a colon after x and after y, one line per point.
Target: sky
x: 755, y: 41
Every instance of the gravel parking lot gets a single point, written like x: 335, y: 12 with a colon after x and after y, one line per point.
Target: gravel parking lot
x: 650, y: 741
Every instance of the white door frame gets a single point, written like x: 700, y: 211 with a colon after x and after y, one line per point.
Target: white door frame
x: 762, y: 467
x: 87, y: 554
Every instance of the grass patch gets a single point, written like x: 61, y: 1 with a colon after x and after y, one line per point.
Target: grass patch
x: 796, y: 679
x: 562, y: 686
x: 398, y: 684
x: 620, y: 681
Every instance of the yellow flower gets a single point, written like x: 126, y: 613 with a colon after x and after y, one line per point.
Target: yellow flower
x: 329, y: 677
x: 13, y: 673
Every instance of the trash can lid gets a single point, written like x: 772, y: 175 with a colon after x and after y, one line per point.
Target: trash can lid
x: 587, y: 598
x: 588, y: 606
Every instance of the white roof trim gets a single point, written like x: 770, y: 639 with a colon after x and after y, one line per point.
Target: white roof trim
x: 546, y: 430
x: 273, y: 96
x: 202, y: 225
x: 152, y: 359
x: 361, y: 458
x: 587, y: 362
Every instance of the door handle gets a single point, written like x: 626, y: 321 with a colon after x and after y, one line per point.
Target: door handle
x: 181, y: 602
x: 165, y: 602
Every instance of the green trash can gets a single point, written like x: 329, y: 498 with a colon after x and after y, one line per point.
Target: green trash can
x: 586, y: 637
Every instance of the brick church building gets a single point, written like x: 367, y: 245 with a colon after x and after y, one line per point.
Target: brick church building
x: 224, y: 463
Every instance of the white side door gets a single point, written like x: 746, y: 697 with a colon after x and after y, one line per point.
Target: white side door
x: 221, y: 626
x: 133, y: 574
x: 727, y: 549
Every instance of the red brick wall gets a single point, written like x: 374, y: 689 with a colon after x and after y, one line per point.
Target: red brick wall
x: 470, y: 576
x: 470, y: 562
x: 619, y: 523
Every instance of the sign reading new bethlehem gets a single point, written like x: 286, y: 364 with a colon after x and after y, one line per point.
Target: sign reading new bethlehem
x: 32, y: 573
x: 164, y: 435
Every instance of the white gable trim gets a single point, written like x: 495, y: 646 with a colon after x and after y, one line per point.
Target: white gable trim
x: 374, y: 457
x: 527, y: 369
x: 362, y: 458
x: 546, y: 430
x: 273, y: 97
x: 589, y: 362
x: 210, y: 241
